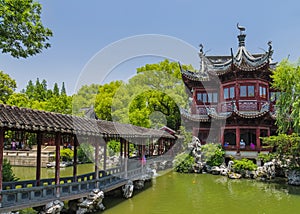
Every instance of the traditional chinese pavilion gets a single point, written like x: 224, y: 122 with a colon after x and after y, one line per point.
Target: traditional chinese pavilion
x: 231, y: 99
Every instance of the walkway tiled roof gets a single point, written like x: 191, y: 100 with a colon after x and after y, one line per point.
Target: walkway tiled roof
x: 12, y: 117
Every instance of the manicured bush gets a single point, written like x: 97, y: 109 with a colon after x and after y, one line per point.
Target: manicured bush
x: 66, y: 154
x: 213, y: 154
x: 244, y: 164
x: 184, y: 163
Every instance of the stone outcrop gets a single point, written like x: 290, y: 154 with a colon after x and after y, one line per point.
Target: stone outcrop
x: 92, y: 203
x: 294, y: 177
x: 128, y: 189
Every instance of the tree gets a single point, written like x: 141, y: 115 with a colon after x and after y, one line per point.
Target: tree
x: 286, y: 149
x: 153, y: 97
x: 18, y: 99
x: 104, y: 99
x: 7, y: 86
x: 7, y: 172
x: 55, y: 90
x: 22, y: 33
x: 286, y: 79
x: 84, y: 98
x: 63, y: 89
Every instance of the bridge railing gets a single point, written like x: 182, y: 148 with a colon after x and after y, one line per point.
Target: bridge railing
x: 28, y: 193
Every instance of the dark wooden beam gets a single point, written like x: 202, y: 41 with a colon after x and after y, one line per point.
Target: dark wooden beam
x: 76, y: 144
x: 57, y: 157
x: 39, y: 138
x: 96, y: 145
x: 2, y: 132
x: 105, y: 154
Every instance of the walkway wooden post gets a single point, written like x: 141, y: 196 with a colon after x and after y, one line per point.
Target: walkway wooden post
x: 105, y: 154
x: 96, y: 145
x: 121, y: 152
x: 2, y: 132
x: 57, y: 161
x: 125, y: 159
x: 75, y: 141
x: 39, y: 138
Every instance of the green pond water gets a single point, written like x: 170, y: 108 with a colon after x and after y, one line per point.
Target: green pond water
x: 176, y: 193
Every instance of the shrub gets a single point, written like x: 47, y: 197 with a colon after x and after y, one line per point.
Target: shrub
x: 113, y: 147
x: 7, y: 172
x: 244, y: 164
x: 287, y: 149
x: 213, y: 154
x: 85, y: 153
x: 184, y: 163
x: 66, y: 154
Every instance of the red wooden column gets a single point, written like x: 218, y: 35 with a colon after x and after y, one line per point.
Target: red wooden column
x: 76, y: 144
x: 237, y: 138
x: 39, y: 138
x: 57, y: 157
x: 257, y: 138
x: 222, y: 135
x: 2, y: 132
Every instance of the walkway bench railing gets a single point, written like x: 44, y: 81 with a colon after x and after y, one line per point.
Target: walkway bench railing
x: 23, y: 194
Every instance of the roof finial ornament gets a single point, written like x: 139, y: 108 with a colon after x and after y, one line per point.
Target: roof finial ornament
x: 201, y: 48
x: 270, y: 45
x: 241, y: 28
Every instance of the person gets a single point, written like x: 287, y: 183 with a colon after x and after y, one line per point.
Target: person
x: 13, y: 145
x: 69, y: 146
x: 252, y: 146
x: 242, y: 144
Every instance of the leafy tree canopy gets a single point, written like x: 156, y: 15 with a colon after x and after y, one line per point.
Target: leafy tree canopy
x: 85, y: 98
x: 152, y: 98
x: 286, y: 78
x: 7, y: 86
x: 22, y: 33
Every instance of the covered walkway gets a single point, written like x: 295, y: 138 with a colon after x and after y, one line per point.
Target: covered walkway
x: 74, y: 130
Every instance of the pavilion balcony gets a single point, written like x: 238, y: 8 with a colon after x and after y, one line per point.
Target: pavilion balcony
x: 247, y: 152
x: 230, y: 106
x: 247, y: 148
x: 243, y: 105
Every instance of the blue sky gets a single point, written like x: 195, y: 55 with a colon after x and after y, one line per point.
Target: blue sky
x: 83, y: 28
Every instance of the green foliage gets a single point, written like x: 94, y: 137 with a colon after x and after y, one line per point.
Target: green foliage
x: 66, y: 154
x: 187, y: 137
x: 266, y: 157
x: 114, y: 147
x: 84, y: 98
x: 244, y: 164
x: 38, y: 96
x: 152, y: 98
x: 104, y: 98
x: 287, y: 148
x: 85, y: 152
x: 22, y: 33
x: 184, y: 163
x: 213, y: 154
x: 286, y: 78
x: 7, y: 86
x: 7, y: 172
